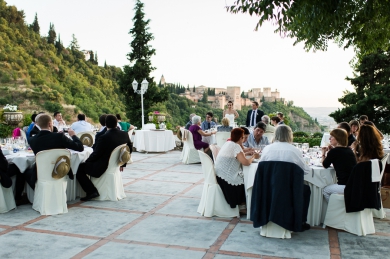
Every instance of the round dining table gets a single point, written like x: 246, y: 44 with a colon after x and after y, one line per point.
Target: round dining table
x: 154, y: 140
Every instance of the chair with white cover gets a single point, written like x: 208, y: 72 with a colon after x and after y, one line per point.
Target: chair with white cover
x: 214, y: 150
x: 50, y: 193
x: 23, y: 134
x: 213, y: 202
x: 7, y: 200
x: 189, y: 154
x: 270, y: 136
x: 110, y: 185
x: 87, y: 137
x: 222, y: 137
x: 131, y: 139
x: 345, y: 211
x: 381, y: 214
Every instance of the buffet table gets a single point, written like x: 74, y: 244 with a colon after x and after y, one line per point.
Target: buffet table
x: 154, y: 140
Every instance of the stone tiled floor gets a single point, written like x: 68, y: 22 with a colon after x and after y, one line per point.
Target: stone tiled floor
x: 158, y: 219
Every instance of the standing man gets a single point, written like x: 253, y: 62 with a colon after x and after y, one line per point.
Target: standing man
x: 254, y: 115
x: 97, y: 163
x: 81, y: 125
x: 208, y: 123
x: 58, y: 121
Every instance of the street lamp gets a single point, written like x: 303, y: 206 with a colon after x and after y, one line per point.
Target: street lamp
x: 144, y: 88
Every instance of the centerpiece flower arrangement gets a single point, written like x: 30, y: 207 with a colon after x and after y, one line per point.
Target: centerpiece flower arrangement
x: 10, y: 108
x: 156, y: 116
x: 11, y: 114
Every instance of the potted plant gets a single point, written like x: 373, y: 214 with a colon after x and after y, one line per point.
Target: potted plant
x: 160, y: 117
x: 11, y: 115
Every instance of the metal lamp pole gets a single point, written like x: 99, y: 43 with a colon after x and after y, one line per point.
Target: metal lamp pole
x: 144, y: 88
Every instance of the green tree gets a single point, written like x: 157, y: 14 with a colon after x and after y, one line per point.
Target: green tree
x: 140, y: 68
x: 96, y: 58
x: 74, y: 45
x: 372, y: 92
x: 52, y: 36
x: 91, y: 57
x: 35, y: 25
x: 59, y: 45
x: 204, y: 98
x: 365, y: 25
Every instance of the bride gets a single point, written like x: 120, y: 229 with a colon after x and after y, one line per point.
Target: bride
x: 230, y: 113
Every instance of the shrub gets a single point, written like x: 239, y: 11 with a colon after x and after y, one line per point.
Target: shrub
x: 317, y: 135
x: 26, y: 119
x: 299, y: 134
x: 53, y: 106
x: 312, y: 141
x: 5, y: 130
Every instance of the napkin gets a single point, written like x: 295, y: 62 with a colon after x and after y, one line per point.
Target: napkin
x: 375, y: 172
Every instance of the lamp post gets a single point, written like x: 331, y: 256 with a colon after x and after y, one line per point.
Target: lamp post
x: 144, y: 88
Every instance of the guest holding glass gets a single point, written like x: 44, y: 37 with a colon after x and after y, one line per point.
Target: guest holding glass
x: 256, y: 139
x: 228, y: 168
x: 58, y: 121
x: 225, y: 126
x: 197, y: 134
x: 230, y: 113
x: 343, y: 159
x: 208, y: 123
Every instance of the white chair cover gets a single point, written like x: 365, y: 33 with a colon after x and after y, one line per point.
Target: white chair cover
x: 270, y: 136
x: 189, y: 154
x: 149, y: 126
x: 274, y: 230
x: 50, y: 194
x: 215, y: 150
x: 110, y: 185
x: 30, y: 193
x: 92, y: 133
x: 130, y: 137
x: 213, y: 202
x: 359, y: 223
x: 381, y: 214
x: 222, y: 138
x: 7, y: 200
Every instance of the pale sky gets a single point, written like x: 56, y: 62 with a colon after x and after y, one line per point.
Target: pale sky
x: 199, y: 43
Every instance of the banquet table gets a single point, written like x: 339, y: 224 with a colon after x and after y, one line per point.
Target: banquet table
x: 317, y: 180
x: 24, y: 160
x: 154, y: 140
x: 210, y: 139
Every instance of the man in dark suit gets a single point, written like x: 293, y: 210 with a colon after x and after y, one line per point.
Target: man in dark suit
x: 254, y: 115
x: 97, y: 163
x: 5, y: 180
x: 46, y: 139
x: 102, y: 120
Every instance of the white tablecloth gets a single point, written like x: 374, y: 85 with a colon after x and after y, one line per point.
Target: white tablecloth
x: 210, y: 139
x: 154, y: 141
x: 317, y: 180
x: 325, y: 139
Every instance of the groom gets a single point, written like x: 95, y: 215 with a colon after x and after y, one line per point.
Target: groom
x: 254, y: 115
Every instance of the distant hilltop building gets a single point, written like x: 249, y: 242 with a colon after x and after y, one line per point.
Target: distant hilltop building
x: 218, y: 97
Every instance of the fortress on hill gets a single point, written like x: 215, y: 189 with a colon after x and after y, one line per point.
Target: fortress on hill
x: 231, y: 93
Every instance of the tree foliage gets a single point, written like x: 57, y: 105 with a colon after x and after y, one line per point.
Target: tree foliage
x: 35, y: 25
x: 140, y: 68
x: 363, y: 24
x: 51, y: 35
x: 372, y: 92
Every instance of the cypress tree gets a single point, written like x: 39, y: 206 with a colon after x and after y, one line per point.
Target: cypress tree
x: 74, y: 45
x: 35, y: 24
x: 59, y: 45
x: 96, y: 58
x: 140, y: 68
x: 52, y: 36
x: 91, y: 57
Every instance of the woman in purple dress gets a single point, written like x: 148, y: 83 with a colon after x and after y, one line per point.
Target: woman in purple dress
x: 197, y: 134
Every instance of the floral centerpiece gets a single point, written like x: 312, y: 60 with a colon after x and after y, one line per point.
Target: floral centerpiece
x: 11, y: 114
x: 156, y: 116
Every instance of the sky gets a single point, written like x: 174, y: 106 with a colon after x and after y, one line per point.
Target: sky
x: 200, y: 43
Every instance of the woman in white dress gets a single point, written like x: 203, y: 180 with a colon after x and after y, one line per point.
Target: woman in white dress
x: 230, y: 113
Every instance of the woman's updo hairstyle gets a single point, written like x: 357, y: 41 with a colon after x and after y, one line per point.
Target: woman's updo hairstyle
x: 236, y: 134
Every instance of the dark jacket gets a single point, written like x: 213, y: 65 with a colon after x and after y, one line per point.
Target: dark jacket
x: 360, y: 193
x: 259, y: 114
x: 45, y: 140
x: 98, y: 160
x: 98, y: 135
x: 35, y: 131
x: 5, y: 181
x: 277, y: 195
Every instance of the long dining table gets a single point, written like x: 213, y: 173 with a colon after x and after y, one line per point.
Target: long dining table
x: 26, y: 159
x: 317, y: 180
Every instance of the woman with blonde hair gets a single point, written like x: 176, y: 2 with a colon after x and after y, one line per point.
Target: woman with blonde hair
x: 342, y: 158
x: 225, y: 126
x: 230, y: 113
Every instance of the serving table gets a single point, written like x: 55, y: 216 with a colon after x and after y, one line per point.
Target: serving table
x: 154, y: 140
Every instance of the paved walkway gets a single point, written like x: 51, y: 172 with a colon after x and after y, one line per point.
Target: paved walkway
x: 158, y: 219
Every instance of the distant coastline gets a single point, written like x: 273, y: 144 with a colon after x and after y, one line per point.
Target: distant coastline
x: 322, y: 115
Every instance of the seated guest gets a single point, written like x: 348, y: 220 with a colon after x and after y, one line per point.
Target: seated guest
x: 372, y: 124
x: 102, y: 120
x: 270, y: 129
x: 125, y: 126
x: 197, y: 134
x: 58, y: 121
x: 362, y: 119
x: 256, y: 138
x: 46, y: 139
x: 31, y: 126
x: 345, y: 126
x: 247, y: 150
x: 228, y: 168
x: 97, y: 163
x: 189, y: 123
x: 368, y: 145
x: 280, y: 116
x: 35, y: 130
x: 225, y: 126
x: 275, y: 121
x: 5, y: 180
x: 208, y: 123
x: 282, y: 150
x: 342, y: 158
x: 354, y: 124
x: 81, y: 125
